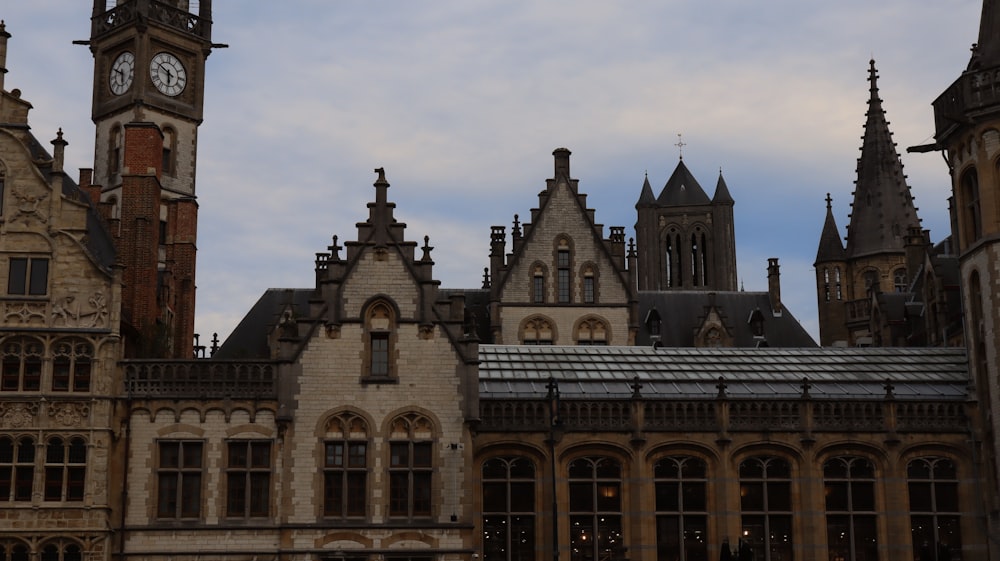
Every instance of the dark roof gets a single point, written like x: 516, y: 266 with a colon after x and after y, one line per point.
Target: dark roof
x: 883, y: 209
x: 682, y: 312
x: 646, y: 195
x: 722, y: 191
x: 986, y: 51
x: 682, y: 189
x: 831, y: 248
x: 249, y: 339
x: 512, y: 371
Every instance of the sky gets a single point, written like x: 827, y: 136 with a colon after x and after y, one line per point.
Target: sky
x: 462, y: 102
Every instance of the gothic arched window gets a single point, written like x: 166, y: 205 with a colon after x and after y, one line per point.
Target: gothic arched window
x: 509, y: 508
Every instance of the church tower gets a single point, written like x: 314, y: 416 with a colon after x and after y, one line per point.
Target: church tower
x: 967, y: 129
x: 874, y: 259
x: 685, y: 241
x: 148, y: 99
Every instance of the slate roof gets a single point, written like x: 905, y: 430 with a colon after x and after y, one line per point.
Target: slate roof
x: 883, y: 208
x: 682, y: 189
x: 682, y: 312
x: 522, y: 372
x: 249, y: 339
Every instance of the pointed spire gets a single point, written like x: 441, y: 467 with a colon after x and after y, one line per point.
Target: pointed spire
x: 646, y: 195
x: 830, y: 246
x: 3, y: 51
x: 682, y: 189
x: 883, y: 207
x: 986, y: 52
x: 721, y: 191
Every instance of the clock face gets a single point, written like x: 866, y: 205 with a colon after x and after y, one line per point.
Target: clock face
x: 168, y: 74
x: 122, y: 72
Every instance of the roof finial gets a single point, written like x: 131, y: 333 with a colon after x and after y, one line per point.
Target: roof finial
x: 829, y: 202
x: 873, y: 78
x: 680, y: 147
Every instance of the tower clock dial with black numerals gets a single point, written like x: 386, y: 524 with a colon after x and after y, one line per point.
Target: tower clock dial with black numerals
x: 168, y: 74
x: 122, y: 73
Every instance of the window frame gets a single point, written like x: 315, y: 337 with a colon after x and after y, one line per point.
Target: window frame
x: 851, y: 517
x: 181, y: 473
x: 346, y: 477
x: 28, y: 276
x: 411, y: 479
x: 685, y: 517
x: 21, y: 364
x: 244, y: 485
x: 936, y: 516
x: 65, y: 469
x: 596, y: 504
x: 18, y: 485
x: 772, y: 483
x: 504, y: 481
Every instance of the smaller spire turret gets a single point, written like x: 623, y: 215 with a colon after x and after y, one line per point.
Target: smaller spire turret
x: 646, y: 196
x: 722, y: 191
x: 830, y: 246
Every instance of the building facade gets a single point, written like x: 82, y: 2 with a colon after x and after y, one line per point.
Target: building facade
x: 565, y: 410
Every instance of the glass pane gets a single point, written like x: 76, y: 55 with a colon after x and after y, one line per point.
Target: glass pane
x: 192, y: 454
x: 495, y: 538
x: 693, y: 468
x: 581, y: 469
x: 522, y: 538
x: 421, y: 494
x: 260, y: 454
x: 335, y: 454
x: 779, y: 496
x: 260, y: 485
x: 522, y: 468
x: 357, y: 493
x: 18, y: 274
x: 77, y: 451
x: 24, y: 478
x: 666, y: 468
x: 236, y: 492
x: 945, y: 469
x: 918, y: 469
x: 836, y: 495
x: 166, y: 504
x: 522, y: 497
x: 75, y: 483
x: 399, y: 454
x: 6, y: 451
x: 358, y: 454
x: 694, y: 496
x: 55, y: 451
x: 835, y: 468
x: 751, y: 469
x: 494, y: 497
x: 667, y: 497
x: 608, y: 497
x: 333, y: 493
x: 422, y: 454
x: 862, y: 469
x: 863, y: 495
x: 26, y: 451
x: 778, y: 469
x: 191, y: 495
x: 752, y: 497
x: 920, y: 497
x: 946, y: 495
x: 169, y: 454
x: 53, y: 483
x: 581, y: 497
x: 237, y: 454
x: 607, y: 467
x: 39, y: 277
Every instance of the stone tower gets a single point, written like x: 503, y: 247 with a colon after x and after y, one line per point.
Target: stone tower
x: 148, y: 97
x: 967, y: 121
x: 685, y: 241
x: 874, y: 259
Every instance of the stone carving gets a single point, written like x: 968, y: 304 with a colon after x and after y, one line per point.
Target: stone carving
x: 29, y: 205
x: 17, y: 415
x: 69, y: 414
x: 25, y: 313
x: 66, y: 312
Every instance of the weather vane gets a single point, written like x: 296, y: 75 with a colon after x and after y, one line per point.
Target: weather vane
x: 680, y: 146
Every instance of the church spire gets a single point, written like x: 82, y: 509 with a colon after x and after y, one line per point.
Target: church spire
x: 986, y: 52
x: 883, y: 209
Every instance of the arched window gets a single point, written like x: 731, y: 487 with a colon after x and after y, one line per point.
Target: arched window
x: 826, y: 284
x: 537, y: 331
x: 766, y: 506
x: 668, y: 261
x: 71, y: 365
x: 850, y: 508
x: 17, y: 468
x: 836, y: 275
x: 592, y: 331
x: 411, y: 466
x: 589, y: 284
x: 65, y: 469
x: 595, y: 509
x: 509, y: 509
x: 380, y: 323
x: 22, y: 364
x: 564, y: 286
x: 681, y: 508
x: 345, y: 466
x: 538, y: 284
x: 61, y: 550
x: 696, y: 262
x: 13, y: 550
x: 971, y: 211
x: 935, y: 516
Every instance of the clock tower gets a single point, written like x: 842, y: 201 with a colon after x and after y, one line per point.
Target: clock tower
x: 148, y: 101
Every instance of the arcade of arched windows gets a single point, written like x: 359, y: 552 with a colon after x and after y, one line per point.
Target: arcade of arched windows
x: 681, y: 495
x: 687, y: 256
x: 45, y: 548
x: 57, y: 364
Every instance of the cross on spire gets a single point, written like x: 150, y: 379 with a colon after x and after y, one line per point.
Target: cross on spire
x: 680, y: 146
